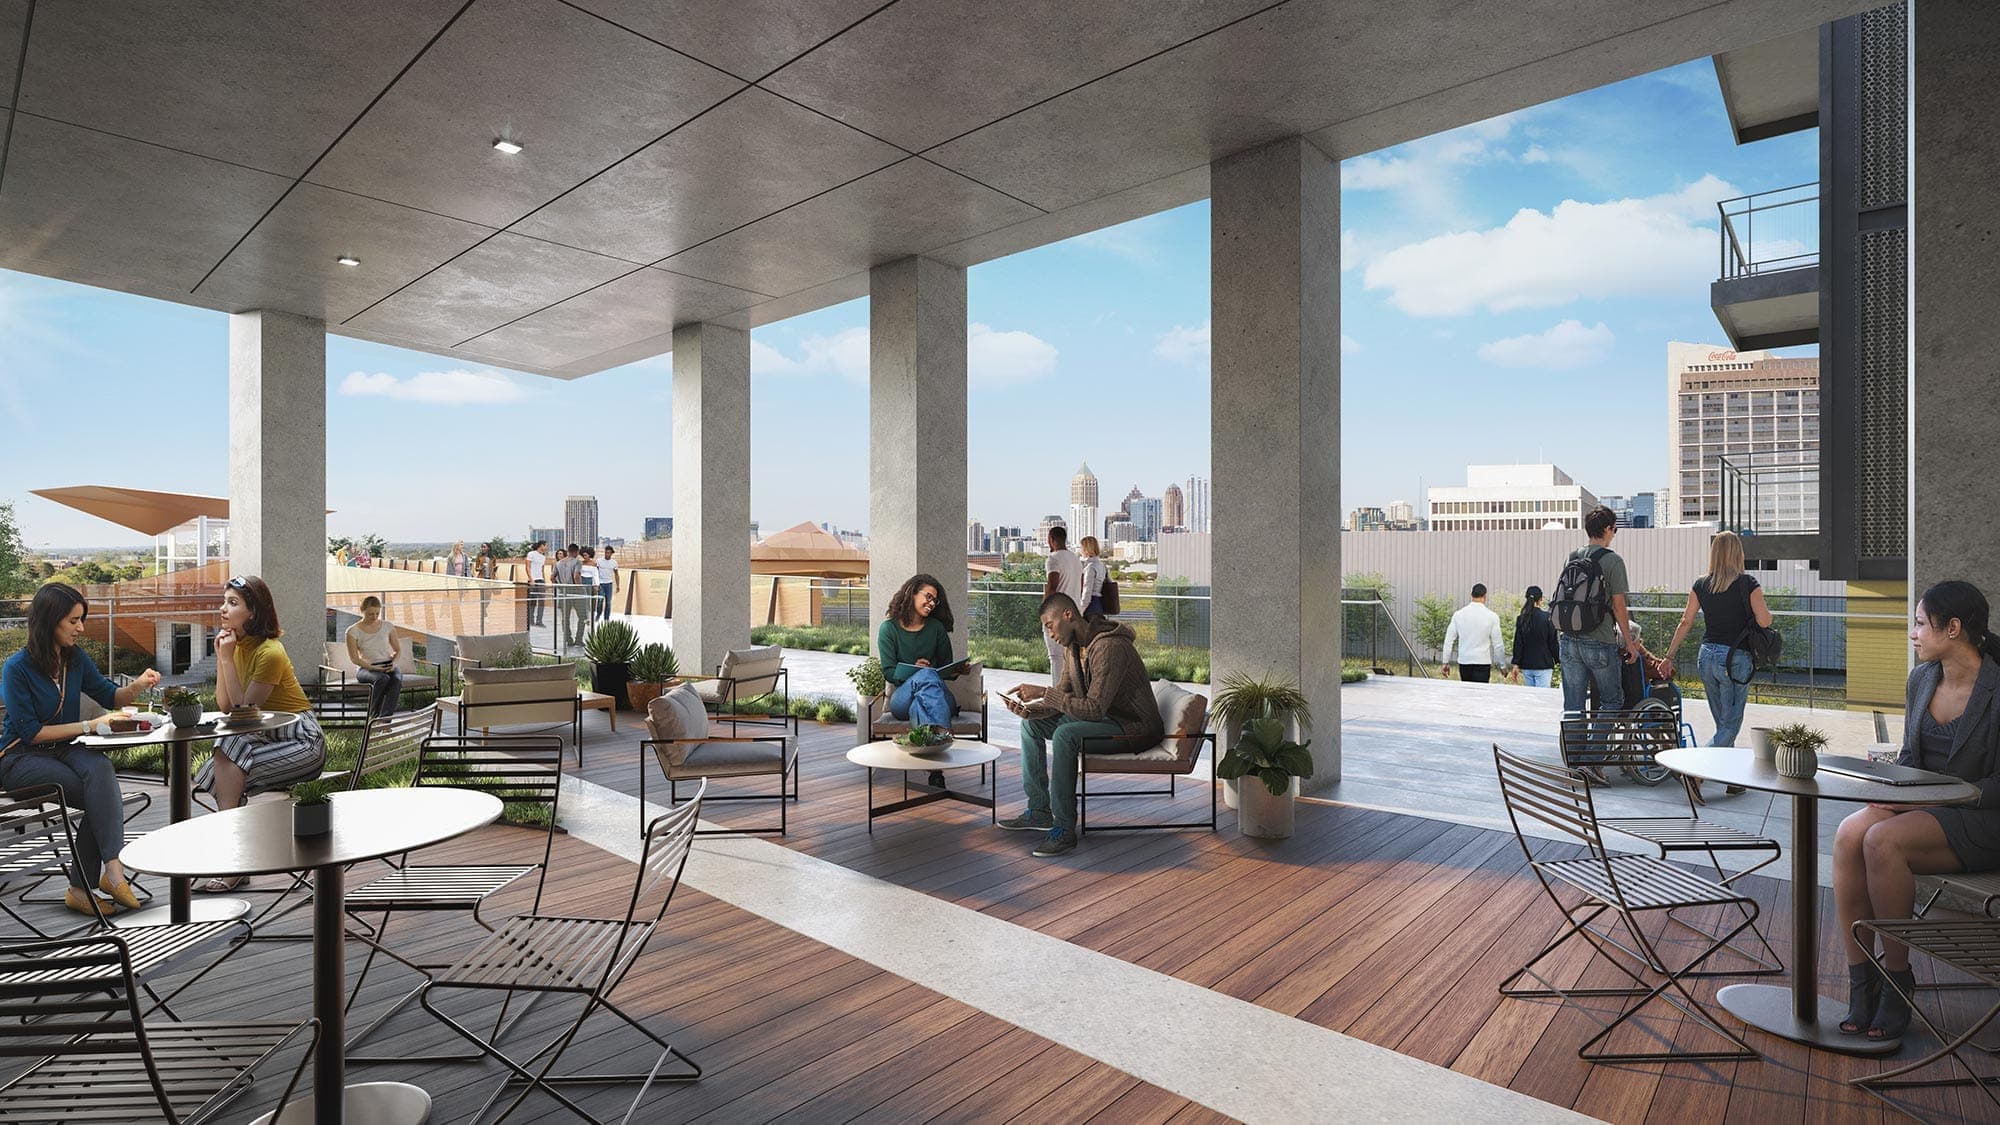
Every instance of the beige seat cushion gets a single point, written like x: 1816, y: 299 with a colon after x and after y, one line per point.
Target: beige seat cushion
x: 675, y: 716
x: 755, y: 671
x: 964, y: 722
x: 968, y: 690
x: 1184, y: 715
x: 734, y: 759
x: 540, y: 673
x: 492, y: 646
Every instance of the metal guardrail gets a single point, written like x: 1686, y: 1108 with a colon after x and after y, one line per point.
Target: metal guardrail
x: 1769, y: 231
x: 1748, y: 486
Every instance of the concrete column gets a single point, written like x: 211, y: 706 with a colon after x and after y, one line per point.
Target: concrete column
x: 1275, y: 427
x: 916, y: 434
x: 711, y: 494
x: 277, y: 470
x: 1955, y: 332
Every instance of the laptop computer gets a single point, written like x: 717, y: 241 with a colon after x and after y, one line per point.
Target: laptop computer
x: 1888, y: 773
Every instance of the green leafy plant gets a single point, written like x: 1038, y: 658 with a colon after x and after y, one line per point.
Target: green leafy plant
x: 1798, y: 736
x: 316, y: 792
x: 924, y: 735
x: 655, y: 664
x: 611, y: 642
x: 867, y: 678
x: 1243, y: 698
x: 1352, y: 675
x: 180, y: 697
x: 834, y: 711
x: 520, y: 656
x: 1265, y: 752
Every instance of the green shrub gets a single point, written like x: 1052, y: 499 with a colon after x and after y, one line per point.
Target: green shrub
x: 852, y: 639
x: 834, y: 711
x: 1352, y: 675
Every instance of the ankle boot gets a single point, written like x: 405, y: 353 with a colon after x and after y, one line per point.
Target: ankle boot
x: 1892, y: 1016
x: 1864, y: 995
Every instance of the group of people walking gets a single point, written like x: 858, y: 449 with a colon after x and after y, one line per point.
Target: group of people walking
x: 43, y: 685
x: 573, y: 566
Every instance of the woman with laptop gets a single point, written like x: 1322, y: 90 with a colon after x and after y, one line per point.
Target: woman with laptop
x: 1951, y: 725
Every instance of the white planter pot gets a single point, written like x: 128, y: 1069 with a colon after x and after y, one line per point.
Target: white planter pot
x: 1761, y: 746
x: 1262, y: 815
x: 1229, y: 793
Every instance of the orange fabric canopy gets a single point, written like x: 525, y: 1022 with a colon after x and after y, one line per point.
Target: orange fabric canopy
x: 149, y: 513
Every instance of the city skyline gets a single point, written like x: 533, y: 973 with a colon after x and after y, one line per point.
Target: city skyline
x: 1488, y: 274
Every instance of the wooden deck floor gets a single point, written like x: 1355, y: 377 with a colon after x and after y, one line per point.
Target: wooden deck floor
x: 1390, y: 928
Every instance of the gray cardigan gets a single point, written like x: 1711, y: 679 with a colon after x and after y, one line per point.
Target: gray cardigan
x: 1975, y: 743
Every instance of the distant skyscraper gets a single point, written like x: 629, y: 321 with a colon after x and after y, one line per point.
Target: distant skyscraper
x: 580, y: 520
x: 1117, y: 529
x: 1197, y: 504
x: 1367, y: 519
x: 975, y: 538
x: 1173, y: 508
x: 1042, y: 531
x: 1400, y: 511
x: 659, y: 527
x: 1082, y: 503
x: 1147, y: 515
x: 553, y: 534
x: 1126, y: 505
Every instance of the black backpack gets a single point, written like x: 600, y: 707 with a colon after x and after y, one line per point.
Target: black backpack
x: 1581, y: 601
x: 1765, y: 646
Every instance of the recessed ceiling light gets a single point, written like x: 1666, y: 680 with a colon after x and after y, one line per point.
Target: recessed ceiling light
x: 348, y: 260
x: 508, y: 147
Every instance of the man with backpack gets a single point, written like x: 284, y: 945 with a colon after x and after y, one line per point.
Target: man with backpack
x: 1590, y: 613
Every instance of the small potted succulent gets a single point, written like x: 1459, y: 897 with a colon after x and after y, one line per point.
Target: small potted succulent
x: 312, y: 807
x: 922, y: 738
x: 1798, y: 747
x: 183, y: 706
x: 654, y: 670
x: 1263, y: 752
x: 610, y: 647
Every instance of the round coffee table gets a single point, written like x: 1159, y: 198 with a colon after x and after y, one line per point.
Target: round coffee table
x: 1800, y: 1013
x: 960, y: 754
x: 257, y: 840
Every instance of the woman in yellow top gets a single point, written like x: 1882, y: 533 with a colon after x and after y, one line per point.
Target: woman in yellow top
x: 252, y: 670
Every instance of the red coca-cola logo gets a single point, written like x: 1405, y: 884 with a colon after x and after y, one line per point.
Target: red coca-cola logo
x: 1721, y: 357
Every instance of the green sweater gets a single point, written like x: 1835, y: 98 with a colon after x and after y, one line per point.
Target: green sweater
x: 896, y: 645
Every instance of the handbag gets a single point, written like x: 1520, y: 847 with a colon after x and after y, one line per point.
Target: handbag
x: 1107, y: 596
x: 1765, y: 646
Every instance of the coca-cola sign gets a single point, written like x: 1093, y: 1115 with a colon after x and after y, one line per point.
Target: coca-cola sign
x: 1721, y: 357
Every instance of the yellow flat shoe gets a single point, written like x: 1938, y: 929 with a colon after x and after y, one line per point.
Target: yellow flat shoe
x: 78, y: 899
x: 121, y: 894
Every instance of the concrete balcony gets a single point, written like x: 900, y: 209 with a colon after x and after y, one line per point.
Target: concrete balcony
x: 1766, y: 294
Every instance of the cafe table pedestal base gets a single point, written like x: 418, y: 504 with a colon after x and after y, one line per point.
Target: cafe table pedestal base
x: 377, y: 1103
x: 200, y: 910
x: 1769, y: 1007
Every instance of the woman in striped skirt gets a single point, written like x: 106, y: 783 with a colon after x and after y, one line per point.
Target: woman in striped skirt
x: 252, y: 670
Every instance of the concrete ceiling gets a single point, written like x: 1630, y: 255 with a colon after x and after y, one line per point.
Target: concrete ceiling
x: 737, y: 161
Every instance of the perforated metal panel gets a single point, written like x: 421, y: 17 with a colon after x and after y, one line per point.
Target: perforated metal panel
x: 1882, y: 479
x: 1885, y: 89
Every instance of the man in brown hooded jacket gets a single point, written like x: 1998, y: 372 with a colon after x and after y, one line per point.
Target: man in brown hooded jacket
x: 1100, y: 692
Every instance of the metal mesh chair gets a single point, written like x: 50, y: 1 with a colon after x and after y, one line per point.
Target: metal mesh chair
x: 1583, y: 739
x: 70, y: 1006
x: 580, y: 956
x: 1623, y: 886
x: 524, y: 771
x: 1973, y: 948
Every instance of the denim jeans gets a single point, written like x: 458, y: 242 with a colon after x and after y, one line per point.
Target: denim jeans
x: 88, y: 782
x: 1063, y: 736
x: 604, y: 588
x: 1585, y: 661
x: 1538, y: 677
x: 1726, y: 697
x: 387, y: 690
x: 923, y: 698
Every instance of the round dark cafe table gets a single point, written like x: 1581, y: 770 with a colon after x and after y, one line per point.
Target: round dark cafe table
x: 257, y: 840
x: 1800, y: 1013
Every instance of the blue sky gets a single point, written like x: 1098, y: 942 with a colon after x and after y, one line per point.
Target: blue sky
x: 1493, y: 278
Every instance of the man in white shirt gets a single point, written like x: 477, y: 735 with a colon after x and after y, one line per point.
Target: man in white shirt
x: 1065, y: 577
x: 536, y: 561
x: 1475, y: 632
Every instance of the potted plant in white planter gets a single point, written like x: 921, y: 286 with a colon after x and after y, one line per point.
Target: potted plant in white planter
x: 183, y: 706
x: 654, y: 670
x: 1798, y: 747
x: 1242, y: 698
x: 610, y: 647
x: 1264, y: 805
x: 312, y: 807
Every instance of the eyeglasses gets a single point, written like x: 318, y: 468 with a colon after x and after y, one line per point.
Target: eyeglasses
x: 238, y: 583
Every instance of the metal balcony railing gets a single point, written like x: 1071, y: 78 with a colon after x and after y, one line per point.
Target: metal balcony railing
x: 1764, y: 496
x: 1769, y: 231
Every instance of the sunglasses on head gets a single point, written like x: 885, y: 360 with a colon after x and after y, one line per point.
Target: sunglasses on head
x: 239, y: 583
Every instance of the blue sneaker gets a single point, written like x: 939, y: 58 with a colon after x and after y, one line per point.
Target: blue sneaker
x: 1058, y: 842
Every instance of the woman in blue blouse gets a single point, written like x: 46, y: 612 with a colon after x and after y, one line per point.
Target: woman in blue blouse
x: 43, y: 685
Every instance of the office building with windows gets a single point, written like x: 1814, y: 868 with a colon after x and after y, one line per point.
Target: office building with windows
x: 1510, y: 498
x: 580, y: 520
x: 1744, y: 425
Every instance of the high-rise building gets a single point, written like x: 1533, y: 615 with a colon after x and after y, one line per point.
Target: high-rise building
x: 659, y: 527
x: 1510, y: 498
x: 1082, y: 501
x: 580, y: 520
x: 1042, y: 531
x: 1758, y: 412
x: 554, y: 535
x: 1117, y: 529
x: 1400, y: 513
x: 1173, y: 508
x: 1145, y: 512
x: 975, y: 538
x: 1197, y: 504
x: 1367, y: 519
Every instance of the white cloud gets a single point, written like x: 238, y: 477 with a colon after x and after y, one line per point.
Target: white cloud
x: 1182, y: 344
x: 1349, y: 345
x: 1567, y: 345
x: 993, y: 358
x: 1535, y: 154
x: 997, y: 359
x: 438, y: 388
x: 1657, y: 246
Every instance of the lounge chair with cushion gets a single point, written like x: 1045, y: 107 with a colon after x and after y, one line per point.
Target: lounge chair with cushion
x: 1184, y: 716
x: 689, y: 749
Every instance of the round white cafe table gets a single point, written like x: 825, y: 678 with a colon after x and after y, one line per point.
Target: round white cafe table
x: 1799, y: 1012
x: 962, y: 753
x: 257, y: 840
x: 179, y: 742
